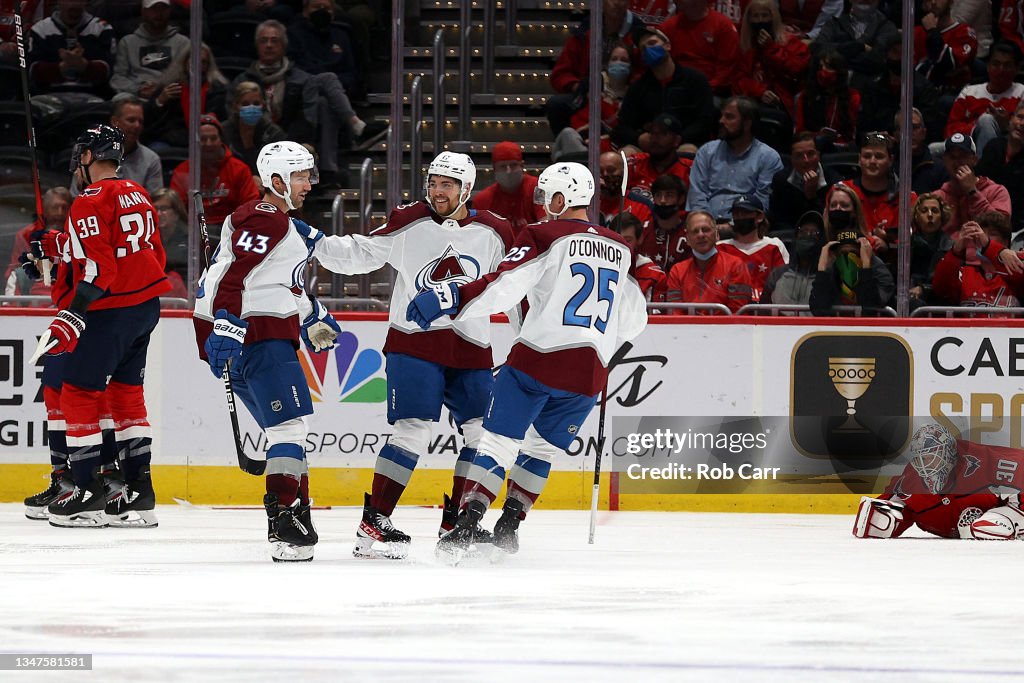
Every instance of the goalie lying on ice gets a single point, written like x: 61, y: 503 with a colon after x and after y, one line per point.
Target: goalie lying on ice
x: 949, y: 489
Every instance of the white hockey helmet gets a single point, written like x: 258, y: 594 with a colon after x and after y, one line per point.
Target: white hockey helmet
x: 456, y: 166
x: 282, y: 159
x: 933, y: 455
x: 574, y: 181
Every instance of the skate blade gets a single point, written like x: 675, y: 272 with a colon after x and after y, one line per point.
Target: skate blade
x: 38, y: 513
x: 286, y: 552
x: 133, y: 519
x: 82, y: 520
x: 365, y: 548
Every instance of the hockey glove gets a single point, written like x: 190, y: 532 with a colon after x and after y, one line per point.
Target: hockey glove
x: 309, y: 233
x: 30, y: 266
x: 48, y: 244
x: 225, y: 342
x: 61, y: 336
x: 430, y: 304
x: 319, y: 329
x: 878, y: 518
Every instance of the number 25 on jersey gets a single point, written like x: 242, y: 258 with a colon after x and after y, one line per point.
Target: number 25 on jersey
x: 606, y: 278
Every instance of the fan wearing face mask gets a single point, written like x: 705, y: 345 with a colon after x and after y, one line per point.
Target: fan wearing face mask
x: 760, y: 254
x: 791, y: 283
x: 249, y: 127
x: 511, y: 194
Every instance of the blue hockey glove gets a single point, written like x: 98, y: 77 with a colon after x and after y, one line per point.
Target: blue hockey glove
x: 309, y: 233
x: 319, y: 329
x: 225, y: 342
x: 430, y: 304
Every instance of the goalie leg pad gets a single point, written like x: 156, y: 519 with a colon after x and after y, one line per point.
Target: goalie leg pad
x: 1004, y: 523
x: 877, y: 519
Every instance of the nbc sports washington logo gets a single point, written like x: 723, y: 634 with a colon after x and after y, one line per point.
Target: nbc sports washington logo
x: 851, y: 395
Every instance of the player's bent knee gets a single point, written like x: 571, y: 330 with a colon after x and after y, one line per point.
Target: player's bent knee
x: 536, y: 446
x: 473, y: 431
x: 412, y: 435
x: 290, y: 431
x: 503, y: 449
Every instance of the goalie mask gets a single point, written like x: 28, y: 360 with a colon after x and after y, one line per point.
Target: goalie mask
x: 933, y: 455
x: 282, y: 159
x: 573, y: 181
x: 459, y: 167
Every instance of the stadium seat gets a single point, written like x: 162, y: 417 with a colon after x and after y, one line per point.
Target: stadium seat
x: 66, y: 130
x: 231, y: 66
x: 233, y: 36
x: 10, y: 82
x: 169, y: 160
x: 846, y: 164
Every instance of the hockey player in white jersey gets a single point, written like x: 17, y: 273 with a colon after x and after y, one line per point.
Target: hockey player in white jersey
x: 250, y: 313
x: 583, y: 302
x: 436, y: 241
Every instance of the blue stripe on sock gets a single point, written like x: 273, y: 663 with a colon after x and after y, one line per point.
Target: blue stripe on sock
x: 467, y: 455
x: 286, y: 450
x: 535, y: 466
x: 400, y: 456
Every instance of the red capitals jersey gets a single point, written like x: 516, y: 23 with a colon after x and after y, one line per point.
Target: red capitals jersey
x: 666, y: 249
x: 881, y: 210
x: 960, y: 43
x: 979, y: 468
x: 642, y: 174
x: 609, y: 208
x: 516, y: 207
x: 1011, y: 22
x: 652, y: 12
x: 114, y: 245
x: 761, y: 258
x: 722, y: 279
x: 649, y: 276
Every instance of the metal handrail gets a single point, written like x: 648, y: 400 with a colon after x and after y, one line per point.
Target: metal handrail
x: 439, y: 103
x: 416, y: 135
x: 394, y: 155
x: 690, y: 308
x: 465, y: 55
x: 510, y: 22
x: 490, y: 24
x: 337, y: 228
x: 365, y: 211
x: 972, y: 311
x: 334, y: 301
x: 777, y: 309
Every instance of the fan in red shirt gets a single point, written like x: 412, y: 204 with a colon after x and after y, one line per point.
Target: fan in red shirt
x: 664, y: 237
x: 610, y: 191
x: 1011, y: 22
x: 649, y: 276
x: 760, y: 254
x: 878, y: 191
x: 972, y: 272
x: 983, y: 110
x: 661, y: 140
x: 827, y: 105
x: 705, y: 40
x: 943, y: 47
x: 710, y: 276
x: 511, y: 195
x: 949, y: 489
x: 772, y: 59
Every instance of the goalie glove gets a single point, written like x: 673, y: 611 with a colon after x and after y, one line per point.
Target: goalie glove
x: 319, y: 329
x: 430, y: 304
x: 878, y: 518
x: 225, y: 342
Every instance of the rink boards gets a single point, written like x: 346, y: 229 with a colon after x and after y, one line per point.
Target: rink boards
x: 973, y: 369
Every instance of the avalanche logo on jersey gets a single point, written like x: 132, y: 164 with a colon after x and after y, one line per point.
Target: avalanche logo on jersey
x: 359, y: 375
x: 450, y: 267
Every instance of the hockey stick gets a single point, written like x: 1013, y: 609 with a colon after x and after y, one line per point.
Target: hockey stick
x: 44, y: 264
x: 245, y: 463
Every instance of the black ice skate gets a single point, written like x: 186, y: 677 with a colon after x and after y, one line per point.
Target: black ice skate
x: 376, y: 527
x: 131, y: 504
x: 60, y: 483
x: 460, y: 541
x: 79, y: 508
x: 506, y: 529
x: 289, y: 530
x: 450, y: 515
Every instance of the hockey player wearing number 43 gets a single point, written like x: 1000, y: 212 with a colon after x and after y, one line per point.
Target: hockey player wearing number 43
x: 951, y: 488
x: 250, y: 311
x: 584, y: 301
x: 433, y: 241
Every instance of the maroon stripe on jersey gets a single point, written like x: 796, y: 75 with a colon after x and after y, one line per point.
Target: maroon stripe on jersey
x: 443, y: 347
x: 271, y: 226
x: 577, y: 370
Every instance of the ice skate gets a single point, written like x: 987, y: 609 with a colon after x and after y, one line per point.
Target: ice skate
x: 455, y: 545
x: 132, y: 504
x: 376, y: 528
x: 450, y: 515
x: 289, y: 530
x: 82, y: 508
x: 60, y: 483
x: 506, y: 529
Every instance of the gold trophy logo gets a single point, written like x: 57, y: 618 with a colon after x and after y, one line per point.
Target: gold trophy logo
x: 851, y: 378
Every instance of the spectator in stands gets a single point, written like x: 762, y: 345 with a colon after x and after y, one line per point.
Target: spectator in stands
x: 827, y: 106
x: 791, y: 283
x: 616, y: 78
x: 978, y: 15
x: 144, y: 55
x: 664, y: 237
x: 511, y: 194
x: 735, y: 164
x: 140, y: 163
x: 56, y: 204
x: 807, y: 17
x: 225, y: 181
x: 1011, y: 23
x: 649, y: 276
x: 665, y: 87
x: 971, y: 274
x: 968, y: 194
x: 927, y: 173
x: 167, y: 113
x: 610, y: 199
x: 772, y: 59
x: 172, y: 221
x: 1002, y: 161
x: 570, y: 75
x: 71, y: 52
x: 944, y: 49
x: 249, y: 127
x: 857, y: 37
x: 662, y: 139
x: 710, y: 276
x: 881, y: 97
x: 802, y: 188
x: 759, y: 253
x: 877, y: 189
x: 849, y: 273
x: 983, y: 110
x: 705, y: 40
x: 929, y: 243
x: 651, y: 12
x: 317, y: 46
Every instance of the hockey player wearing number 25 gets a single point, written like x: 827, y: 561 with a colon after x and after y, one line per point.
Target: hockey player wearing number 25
x: 113, y: 273
x: 250, y: 311
x: 579, y: 281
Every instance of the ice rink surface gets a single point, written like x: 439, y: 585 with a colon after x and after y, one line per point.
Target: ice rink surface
x: 659, y: 597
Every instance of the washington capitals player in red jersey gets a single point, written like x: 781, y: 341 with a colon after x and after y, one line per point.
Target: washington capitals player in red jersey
x: 115, y: 275
x: 434, y: 241
x: 250, y: 312
x: 584, y: 301
x: 951, y: 488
